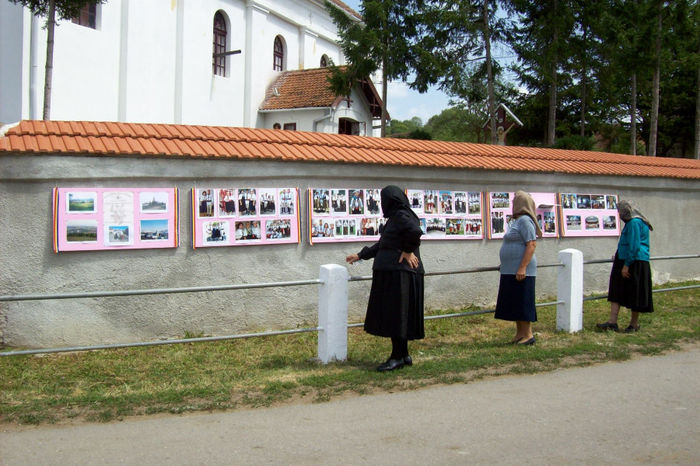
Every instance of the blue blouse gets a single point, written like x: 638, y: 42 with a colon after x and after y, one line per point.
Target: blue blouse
x: 520, y: 232
x: 634, y: 242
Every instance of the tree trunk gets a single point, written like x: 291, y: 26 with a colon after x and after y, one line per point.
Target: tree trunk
x: 654, y: 120
x: 697, y: 116
x: 552, y: 110
x: 382, y: 131
x: 51, y: 27
x: 552, y: 113
x: 633, y: 116
x: 584, y: 76
x: 489, y: 73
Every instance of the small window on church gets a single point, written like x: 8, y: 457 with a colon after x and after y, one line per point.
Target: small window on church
x: 220, y: 36
x: 324, y: 61
x: 290, y: 126
x: 87, y: 16
x: 278, y: 55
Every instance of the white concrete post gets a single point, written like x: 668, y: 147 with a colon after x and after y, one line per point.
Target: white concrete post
x: 333, y: 313
x: 570, y: 291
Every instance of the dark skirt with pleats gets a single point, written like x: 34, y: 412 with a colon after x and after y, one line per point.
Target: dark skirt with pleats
x: 634, y: 292
x: 516, y: 299
x: 395, y: 307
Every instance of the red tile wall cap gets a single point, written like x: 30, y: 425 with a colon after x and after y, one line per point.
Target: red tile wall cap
x: 221, y: 142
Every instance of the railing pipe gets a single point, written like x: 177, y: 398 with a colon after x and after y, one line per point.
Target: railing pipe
x: 156, y: 343
x: 152, y: 291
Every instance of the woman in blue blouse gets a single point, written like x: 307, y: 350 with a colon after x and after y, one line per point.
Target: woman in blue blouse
x: 630, y: 278
x: 516, y: 291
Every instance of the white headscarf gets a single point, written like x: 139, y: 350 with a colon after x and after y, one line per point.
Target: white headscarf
x: 628, y: 211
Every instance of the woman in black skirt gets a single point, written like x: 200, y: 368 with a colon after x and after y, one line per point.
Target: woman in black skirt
x: 516, y: 289
x: 395, y: 307
x: 630, y: 278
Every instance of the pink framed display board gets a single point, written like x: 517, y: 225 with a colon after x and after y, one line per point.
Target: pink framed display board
x: 448, y: 214
x: 344, y: 214
x: 88, y: 219
x: 589, y: 214
x: 244, y: 216
x: 500, y: 210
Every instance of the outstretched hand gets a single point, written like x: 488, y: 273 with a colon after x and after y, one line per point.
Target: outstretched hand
x: 352, y: 258
x: 410, y: 258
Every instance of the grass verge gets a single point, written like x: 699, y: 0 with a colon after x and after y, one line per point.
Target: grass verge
x: 112, y: 384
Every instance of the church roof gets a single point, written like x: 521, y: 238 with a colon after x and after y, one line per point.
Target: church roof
x: 299, y: 89
x: 310, y: 89
x: 110, y: 139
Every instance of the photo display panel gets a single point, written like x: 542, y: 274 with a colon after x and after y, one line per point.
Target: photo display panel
x: 88, y: 219
x: 589, y: 214
x: 344, y: 214
x: 500, y: 206
x: 448, y: 214
x: 229, y: 216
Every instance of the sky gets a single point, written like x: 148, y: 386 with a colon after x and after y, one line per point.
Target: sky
x: 404, y: 103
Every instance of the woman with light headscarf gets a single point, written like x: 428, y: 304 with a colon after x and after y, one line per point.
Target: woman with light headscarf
x: 516, y: 291
x: 395, y: 307
x: 630, y: 277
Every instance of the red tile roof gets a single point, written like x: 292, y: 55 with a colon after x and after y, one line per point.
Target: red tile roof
x: 310, y: 89
x: 217, y: 142
x: 300, y: 89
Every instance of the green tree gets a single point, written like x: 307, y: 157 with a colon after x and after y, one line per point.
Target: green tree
x: 64, y: 9
x: 456, y: 124
x: 539, y: 35
x: 405, y: 127
x: 380, y: 42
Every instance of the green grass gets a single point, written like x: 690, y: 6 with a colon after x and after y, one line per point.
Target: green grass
x: 108, y: 385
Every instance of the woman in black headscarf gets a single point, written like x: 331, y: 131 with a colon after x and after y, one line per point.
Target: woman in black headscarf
x: 395, y: 307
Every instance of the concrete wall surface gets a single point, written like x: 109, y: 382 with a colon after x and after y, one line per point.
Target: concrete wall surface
x: 29, y: 265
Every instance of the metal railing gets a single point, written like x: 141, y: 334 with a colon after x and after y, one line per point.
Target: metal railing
x: 655, y: 258
x: 199, y: 289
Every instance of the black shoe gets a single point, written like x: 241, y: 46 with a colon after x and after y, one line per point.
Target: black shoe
x: 391, y: 364
x: 607, y: 326
x: 531, y: 341
x: 631, y: 329
x: 407, y: 360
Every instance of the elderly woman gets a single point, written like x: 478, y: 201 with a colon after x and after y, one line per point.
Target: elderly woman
x: 395, y: 307
x: 630, y: 277
x: 516, y: 291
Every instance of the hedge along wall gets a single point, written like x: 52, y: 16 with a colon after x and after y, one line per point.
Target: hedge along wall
x: 31, y: 267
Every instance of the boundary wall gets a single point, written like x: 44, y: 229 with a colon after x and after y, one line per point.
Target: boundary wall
x: 31, y: 267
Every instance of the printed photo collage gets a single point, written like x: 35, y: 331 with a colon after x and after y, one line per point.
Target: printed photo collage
x: 589, y: 214
x: 240, y: 216
x: 448, y: 214
x: 141, y: 218
x: 501, y: 209
x: 344, y: 214
x: 109, y: 218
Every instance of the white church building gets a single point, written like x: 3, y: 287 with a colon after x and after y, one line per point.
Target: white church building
x: 249, y: 63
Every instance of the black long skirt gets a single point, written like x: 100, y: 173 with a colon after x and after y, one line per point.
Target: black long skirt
x: 634, y: 292
x: 395, y: 307
x: 516, y: 299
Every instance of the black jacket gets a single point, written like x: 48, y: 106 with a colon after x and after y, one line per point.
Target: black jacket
x: 401, y: 232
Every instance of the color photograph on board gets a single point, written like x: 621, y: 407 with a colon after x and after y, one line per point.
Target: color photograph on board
x: 448, y: 214
x: 500, y: 213
x: 344, y: 214
x: 244, y: 216
x: 90, y: 219
x: 585, y: 214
